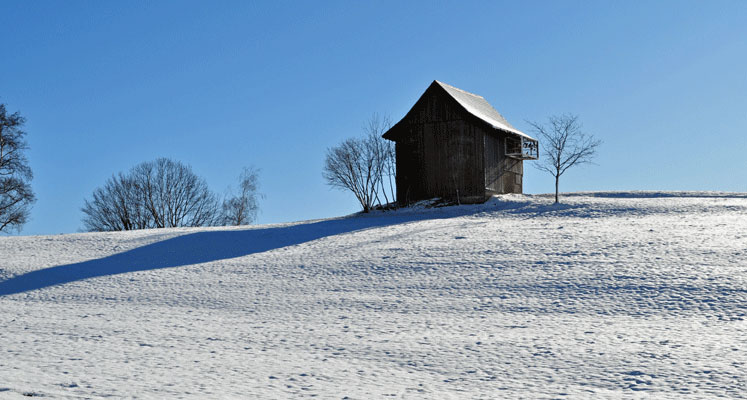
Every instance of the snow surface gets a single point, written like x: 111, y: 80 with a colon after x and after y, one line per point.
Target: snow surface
x: 608, y: 295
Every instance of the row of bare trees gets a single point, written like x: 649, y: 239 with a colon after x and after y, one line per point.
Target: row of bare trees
x: 364, y: 165
x: 166, y: 193
x: 156, y: 194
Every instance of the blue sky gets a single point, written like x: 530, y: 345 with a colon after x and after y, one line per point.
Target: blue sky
x: 223, y: 85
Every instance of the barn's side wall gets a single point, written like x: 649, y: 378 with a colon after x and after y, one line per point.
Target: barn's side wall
x: 502, y: 174
x: 439, y: 152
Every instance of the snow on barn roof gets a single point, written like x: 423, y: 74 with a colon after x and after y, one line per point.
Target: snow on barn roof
x: 480, y: 108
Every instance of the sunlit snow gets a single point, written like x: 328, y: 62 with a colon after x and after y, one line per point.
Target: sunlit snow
x: 634, y: 294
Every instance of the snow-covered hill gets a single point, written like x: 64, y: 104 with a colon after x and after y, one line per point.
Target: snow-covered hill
x: 635, y: 294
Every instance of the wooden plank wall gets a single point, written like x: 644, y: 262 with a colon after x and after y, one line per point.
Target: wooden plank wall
x: 502, y: 174
x: 453, y: 160
x: 440, y: 152
x: 443, y: 151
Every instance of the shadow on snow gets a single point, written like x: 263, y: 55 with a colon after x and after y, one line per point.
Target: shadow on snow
x: 202, y: 247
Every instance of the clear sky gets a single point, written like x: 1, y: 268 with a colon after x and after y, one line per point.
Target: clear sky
x: 221, y: 85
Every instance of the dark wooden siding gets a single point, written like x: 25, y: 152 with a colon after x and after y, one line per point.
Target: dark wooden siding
x: 502, y: 174
x: 453, y: 160
x: 409, y: 159
x: 439, y: 152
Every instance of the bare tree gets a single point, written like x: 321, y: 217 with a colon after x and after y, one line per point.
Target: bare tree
x: 174, y: 195
x: 16, y: 195
x: 564, y: 145
x: 241, y: 208
x: 117, y: 206
x: 384, y: 155
x: 362, y: 165
x: 348, y: 167
x: 156, y: 194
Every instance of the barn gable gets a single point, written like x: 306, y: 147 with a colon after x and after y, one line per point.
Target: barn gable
x: 480, y: 108
x: 454, y: 144
x: 473, y: 104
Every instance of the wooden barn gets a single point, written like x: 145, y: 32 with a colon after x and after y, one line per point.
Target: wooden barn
x: 454, y: 145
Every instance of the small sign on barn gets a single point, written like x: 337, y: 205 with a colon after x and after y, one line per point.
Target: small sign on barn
x: 454, y: 145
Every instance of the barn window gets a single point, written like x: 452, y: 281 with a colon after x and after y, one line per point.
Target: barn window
x: 522, y: 148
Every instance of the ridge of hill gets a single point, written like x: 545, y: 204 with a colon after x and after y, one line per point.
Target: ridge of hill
x: 607, y: 294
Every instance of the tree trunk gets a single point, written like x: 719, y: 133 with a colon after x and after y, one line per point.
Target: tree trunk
x: 557, y: 178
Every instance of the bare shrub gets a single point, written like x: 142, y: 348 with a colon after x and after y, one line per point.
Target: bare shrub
x: 155, y: 194
x: 241, y: 208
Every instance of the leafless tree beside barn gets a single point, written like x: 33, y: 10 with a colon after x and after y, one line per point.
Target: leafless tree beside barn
x: 564, y: 145
x: 364, y: 165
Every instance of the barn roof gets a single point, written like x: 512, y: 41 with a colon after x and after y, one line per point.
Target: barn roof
x: 480, y: 108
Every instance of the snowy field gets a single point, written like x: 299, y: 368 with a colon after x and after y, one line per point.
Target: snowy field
x: 633, y: 295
